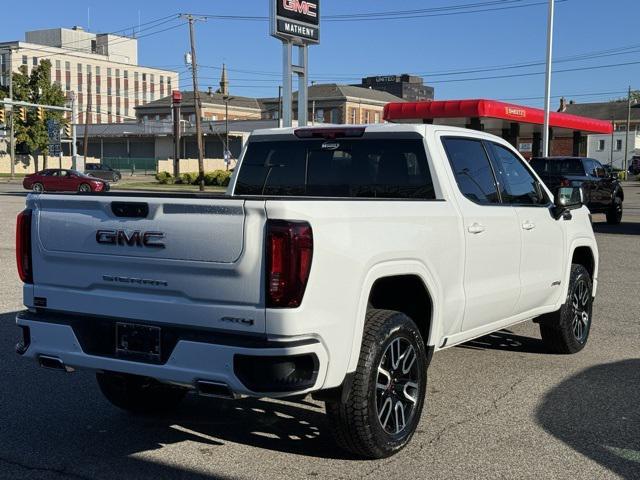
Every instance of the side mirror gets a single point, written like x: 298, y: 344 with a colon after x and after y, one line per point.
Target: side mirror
x: 567, y: 198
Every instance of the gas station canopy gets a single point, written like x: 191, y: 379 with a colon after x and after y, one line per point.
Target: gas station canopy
x: 494, y: 116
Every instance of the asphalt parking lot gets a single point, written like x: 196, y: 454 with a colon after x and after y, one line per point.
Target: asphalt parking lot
x: 498, y: 407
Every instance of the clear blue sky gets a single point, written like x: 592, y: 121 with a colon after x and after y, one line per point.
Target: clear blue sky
x: 427, y: 46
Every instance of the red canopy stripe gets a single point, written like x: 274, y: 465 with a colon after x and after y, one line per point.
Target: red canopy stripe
x: 491, y: 109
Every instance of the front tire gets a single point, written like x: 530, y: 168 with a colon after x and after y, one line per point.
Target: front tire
x: 567, y: 330
x: 139, y: 395
x: 614, y: 214
x: 386, y: 397
x: 37, y: 188
x: 84, y: 188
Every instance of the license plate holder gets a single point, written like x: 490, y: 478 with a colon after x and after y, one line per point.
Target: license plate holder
x: 138, y: 342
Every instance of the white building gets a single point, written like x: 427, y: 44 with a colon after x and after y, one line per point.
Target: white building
x: 101, y: 69
x: 599, y: 147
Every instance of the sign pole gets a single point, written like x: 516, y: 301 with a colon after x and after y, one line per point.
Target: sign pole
x: 287, y: 94
x: 74, y: 143
x: 303, y: 61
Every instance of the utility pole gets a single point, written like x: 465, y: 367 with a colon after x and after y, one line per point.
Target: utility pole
x: 626, y: 140
x: 12, y: 138
x: 196, y: 98
x: 87, y: 121
x: 613, y: 132
x: 547, y: 86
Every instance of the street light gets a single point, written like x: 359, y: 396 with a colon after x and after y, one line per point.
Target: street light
x: 547, y: 86
x: 227, y: 154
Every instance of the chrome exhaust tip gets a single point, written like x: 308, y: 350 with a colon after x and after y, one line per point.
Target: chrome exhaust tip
x: 53, y: 363
x: 208, y: 388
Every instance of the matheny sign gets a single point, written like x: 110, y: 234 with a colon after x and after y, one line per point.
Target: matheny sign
x: 297, y: 21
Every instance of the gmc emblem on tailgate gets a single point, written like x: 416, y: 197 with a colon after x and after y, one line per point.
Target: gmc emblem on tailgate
x: 133, y: 239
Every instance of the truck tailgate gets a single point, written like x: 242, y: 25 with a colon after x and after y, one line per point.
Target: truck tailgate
x: 193, y: 267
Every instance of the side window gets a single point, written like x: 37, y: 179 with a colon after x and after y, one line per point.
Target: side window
x: 518, y: 185
x: 598, y: 169
x: 472, y: 169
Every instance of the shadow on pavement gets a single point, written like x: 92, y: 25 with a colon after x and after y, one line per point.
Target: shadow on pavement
x: 59, y: 423
x: 597, y: 413
x: 508, y: 341
x: 624, y: 228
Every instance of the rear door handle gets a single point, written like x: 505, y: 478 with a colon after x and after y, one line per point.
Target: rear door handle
x: 528, y: 225
x: 476, y: 228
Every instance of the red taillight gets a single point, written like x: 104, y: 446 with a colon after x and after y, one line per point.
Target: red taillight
x: 565, y: 182
x: 23, y: 246
x: 289, y: 253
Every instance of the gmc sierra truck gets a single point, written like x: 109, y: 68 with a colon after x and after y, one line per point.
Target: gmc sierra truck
x: 339, y: 261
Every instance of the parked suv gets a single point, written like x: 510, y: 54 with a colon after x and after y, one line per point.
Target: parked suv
x: 102, y: 171
x: 340, y: 260
x: 602, y: 191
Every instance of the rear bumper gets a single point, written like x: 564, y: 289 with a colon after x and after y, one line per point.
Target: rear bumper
x: 233, y: 362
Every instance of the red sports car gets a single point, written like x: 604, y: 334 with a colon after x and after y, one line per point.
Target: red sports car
x: 57, y: 180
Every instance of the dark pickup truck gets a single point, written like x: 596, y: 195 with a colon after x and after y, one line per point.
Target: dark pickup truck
x: 602, y: 191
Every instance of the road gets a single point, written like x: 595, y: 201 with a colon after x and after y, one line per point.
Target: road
x: 498, y: 407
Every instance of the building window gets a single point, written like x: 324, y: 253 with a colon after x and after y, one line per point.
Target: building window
x: 97, y: 70
x: 618, y: 145
x: 88, y: 69
x: 79, y: 68
x: 135, y: 76
x: 354, y: 112
x: 117, y: 73
x: 376, y: 117
x: 108, y: 90
x: 169, y: 83
x: 67, y: 66
x: 601, y: 145
x: 108, y: 72
x: 58, y: 64
x: 161, y: 80
x: 144, y: 77
x: 366, y: 116
x: 126, y: 74
x: 98, y: 109
x: 68, y: 86
x: 25, y: 60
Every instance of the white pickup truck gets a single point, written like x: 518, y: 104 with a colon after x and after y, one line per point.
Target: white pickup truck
x: 339, y: 261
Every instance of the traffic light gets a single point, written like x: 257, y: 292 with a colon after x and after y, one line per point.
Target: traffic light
x: 40, y: 113
x: 22, y: 114
x: 67, y: 130
x: 2, y: 119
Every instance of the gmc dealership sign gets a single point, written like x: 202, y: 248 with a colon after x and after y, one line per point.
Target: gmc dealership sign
x: 296, y: 20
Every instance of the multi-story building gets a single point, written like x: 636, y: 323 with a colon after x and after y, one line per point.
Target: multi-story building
x: 334, y: 103
x: 100, y: 69
x: 408, y: 87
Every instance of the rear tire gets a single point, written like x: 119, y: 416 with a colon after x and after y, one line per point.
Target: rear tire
x: 387, y: 394
x: 37, y: 188
x: 139, y: 395
x: 614, y: 214
x: 567, y: 330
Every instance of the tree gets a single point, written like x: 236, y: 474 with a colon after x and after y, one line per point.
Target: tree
x: 32, y: 134
x: 635, y: 97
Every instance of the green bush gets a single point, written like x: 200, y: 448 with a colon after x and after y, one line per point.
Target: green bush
x: 189, y: 178
x: 164, y: 178
x: 222, y: 177
x: 210, y: 178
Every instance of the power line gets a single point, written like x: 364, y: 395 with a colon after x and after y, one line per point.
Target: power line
x: 468, y: 8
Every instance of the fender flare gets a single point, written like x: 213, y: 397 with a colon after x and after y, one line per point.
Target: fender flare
x: 576, y: 243
x: 390, y: 269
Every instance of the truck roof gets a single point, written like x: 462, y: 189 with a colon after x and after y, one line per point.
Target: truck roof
x: 420, y: 128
